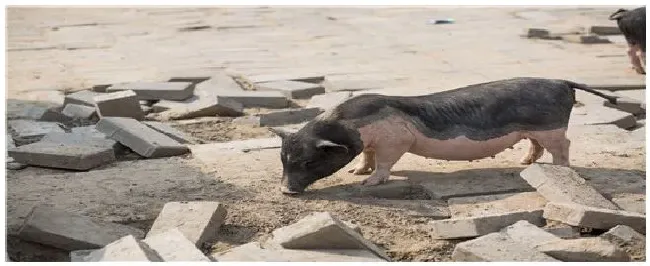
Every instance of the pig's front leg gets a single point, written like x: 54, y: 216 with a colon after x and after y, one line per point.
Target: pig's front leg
x: 635, y: 58
x: 388, y: 150
x: 366, y: 164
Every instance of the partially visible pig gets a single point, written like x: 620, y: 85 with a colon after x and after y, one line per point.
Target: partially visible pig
x: 468, y: 123
x: 632, y: 24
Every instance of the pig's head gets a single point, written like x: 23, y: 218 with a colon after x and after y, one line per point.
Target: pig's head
x: 618, y: 14
x: 314, y: 152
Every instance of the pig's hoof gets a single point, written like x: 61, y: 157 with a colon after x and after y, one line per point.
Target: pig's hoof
x: 526, y: 161
x: 373, y: 181
x: 360, y: 171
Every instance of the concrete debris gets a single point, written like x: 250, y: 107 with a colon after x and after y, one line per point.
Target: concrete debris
x: 80, y: 111
x: 464, y: 185
x: 172, y: 245
x: 497, y: 247
x: 492, y: 204
x: 199, y: 221
x: 84, y: 97
x: 126, y: 248
x: 293, y: 89
x: 477, y: 226
x: 176, y: 91
x: 140, y: 138
x: 626, y: 238
x: 255, y: 252
x: 63, y: 156
x: 27, y: 131
x: 599, y: 218
x: 592, y: 249
x: 119, y: 104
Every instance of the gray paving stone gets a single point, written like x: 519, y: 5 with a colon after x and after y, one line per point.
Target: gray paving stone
x: 329, y: 100
x: 293, y: 89
x: 177, y: 91
x: 80, y: 255
x: 217, y: 106
x: 304, y: 77
x: 605, y: 30
x: 27, y: 131
x: 599, y: 218
x: 119, y: 104
x: 562, y: 184
x: 63, y: 156
x: 140, y: 138
x: 189, y: 78
x: 84, y: 97
x: 126, y: 248
x: 172, y: 245
x: 83, y: 136
x: 476, y: 226
x: 585, y: 39
x: 267, y: 99
x: 528, y: 234
x: 171, y: 132
x: 288, y: 116
x: 563, y: 231
x: 69, y: 231
x: 497, y: 247
x: 254, y: 252
x: 466, y: 185
x: 592, y: 249
x: 199, y: 221
x: 626, y: 238
x: 486, y: 205
x: 80, y: 111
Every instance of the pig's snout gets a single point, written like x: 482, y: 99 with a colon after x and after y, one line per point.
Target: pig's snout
x: 287, y: 188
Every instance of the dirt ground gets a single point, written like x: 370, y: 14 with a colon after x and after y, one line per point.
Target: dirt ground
x: 134, y: 191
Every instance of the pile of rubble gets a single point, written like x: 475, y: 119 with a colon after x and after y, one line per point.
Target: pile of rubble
x: 99, y: 126
x: 590, y: 36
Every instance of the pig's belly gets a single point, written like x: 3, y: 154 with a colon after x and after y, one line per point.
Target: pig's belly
x: 462, y: 148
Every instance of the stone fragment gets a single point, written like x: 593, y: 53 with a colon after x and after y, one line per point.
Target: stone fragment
x: 302, y: 77
x: 490, y: 204
x: 254, y: 252
x: 84, y: 97
x: 126, y: 248
x: 586, y: 39
x: 433, y: 209
x: 69, y: 231
x: 218, y: 82
x: 477, y: 226
x: 537, y: 33
x: 84, y: 136
x: 172, y: 245
x: 30, y: 112
x: 80, y: 111
x: 497, y: 247
x: 321, y: 230
x: 140, y: 138
x: 329, y: 100
x: 585, y: 216
x: 562, y: 184
x: 63, y: 156
x: 171, y: 132
x: 630, y: 202
x: 266, y: 99
x: 468, y: 185
x: 629, y: 240
x: 293, y: 89
x: 54, y: 115
x: 80, y: 255
x: 177, y: 91
x: 563, y: 231
x: 528, y: 234
x: 27, y: 131
x: 189, y: 78
x: 199, y: 221
x: 288, y: 116
x: 217, y: 106
x: 592, y: 249
x: 119, y: 104
x: 605, y: 30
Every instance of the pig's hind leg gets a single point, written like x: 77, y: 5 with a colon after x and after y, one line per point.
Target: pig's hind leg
x: 534, y: 153
x: 556, y: 142
x: 366, y: 163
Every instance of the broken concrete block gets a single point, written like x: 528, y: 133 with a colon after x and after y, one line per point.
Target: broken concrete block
x: 219, y: 82
x: 496, y: 247
x: 63, y: 156
x: 562, y: 184
x: 289, y: 116
x: 630, y: 202
x: 434, y: 209
x: 199, y: 221
x: 605, y: 30
x: 54, y: 115
x: 119, y: 104
x: 627, y: 239
x: 628, y: 105
x: 586, y: 39
x: 563, y: 231
x: 293, y: 89
x: 29, y: 112
x: 537, y: 33
x: 266, y: 99
x: 491, y: 204
x: 69, y: 231
x: 189, y: 78
x: 84, y: 97
x: 528, y: 234
x: 217, y: 106
x: 27, y: 131
x: 309, y: 78
x: 255, y: 252
x: 321, y: 230
x: 329, y: 100
x: 176, y: 91
x: 332, y: 84
x: 169, y: 131
x: 80, y: 111
x: 172, y: 245
x: 585, y: 216
x: 140, y: 138
x: 593, y: 249
x: 126, y: 248
x: 477, y: 226
x: 249, y: 120
x: 470, y: 185
x: 80, y: 255
x: 83, y: 136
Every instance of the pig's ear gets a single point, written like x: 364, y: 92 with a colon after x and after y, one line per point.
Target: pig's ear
x: 323, y: 143
x: 618, y: 14
x: 280, y: 132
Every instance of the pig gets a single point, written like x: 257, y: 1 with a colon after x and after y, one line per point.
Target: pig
x: 466, y: 123
x: 632, y: 24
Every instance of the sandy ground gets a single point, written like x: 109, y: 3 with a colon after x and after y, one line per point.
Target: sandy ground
x: 393, y: 45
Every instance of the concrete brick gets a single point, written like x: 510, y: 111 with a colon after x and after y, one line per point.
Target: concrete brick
x: 83, y: 136
x: 27, y: 131
x: 321, y: 230
x: 585, y: 216
x: 332, y: 84
x: 140, y: 138
x: 171, y: 132
x: 177, y: 91
x: 528, y: 234
x: 199, y: 221
x: 30, y: 112
x: 563, y: 231
x: 218, y: 82
x: 172, y: 245
x: 254, y: 252
x: 496, y: 247
x: 627, y: 105
x: 217, y: 106
x: 591, y: 249
x: 54, y: 115
x: 63, y: 156
x: 537, y: 33
x: 249, y: 120
x: 84, y: 97
x: 629, y: 240
x: 562, y: 184
x: 80, y: 255
x: 80, y: 111
x: 293, y: 89
x: 266, y: 99
x: 126, y: 248
x: 467, y: 185
x: 189, y: 78
x: 434, y: 209
x: 477, y: 226
x: 630, y: 202
x: 304, y: 77
x: 491, y: 204
x: 585, y: 39
x: 119, y: 104
x: 605, y: 30
x: 329, y: 100
x: 70, y: 231
x: 288, y: 116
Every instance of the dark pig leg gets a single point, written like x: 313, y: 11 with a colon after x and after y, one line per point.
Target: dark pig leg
x: 366, y: 164
x: 556, y: 142
x: 534, y: 153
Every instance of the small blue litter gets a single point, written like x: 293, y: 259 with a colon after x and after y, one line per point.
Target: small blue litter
x: 441, y: 21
